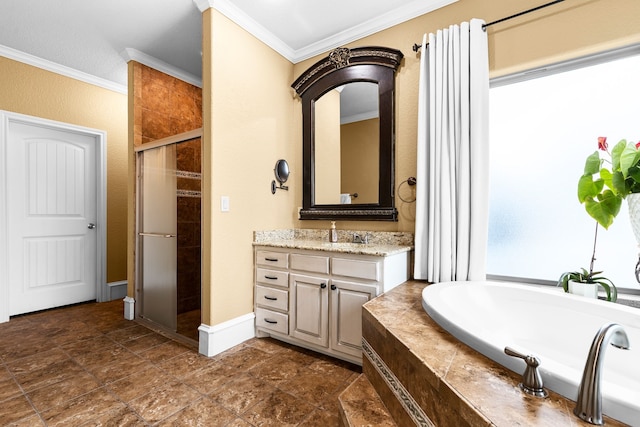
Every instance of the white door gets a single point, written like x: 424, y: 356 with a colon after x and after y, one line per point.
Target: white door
x: 51, y: 216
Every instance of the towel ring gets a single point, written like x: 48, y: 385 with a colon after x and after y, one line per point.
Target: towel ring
x: 411, y: 181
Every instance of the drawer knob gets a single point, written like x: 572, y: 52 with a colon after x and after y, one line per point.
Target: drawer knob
x: 273, y: 322
x: 333, y: 287
x: 323, y: 285
x: 270, y: 298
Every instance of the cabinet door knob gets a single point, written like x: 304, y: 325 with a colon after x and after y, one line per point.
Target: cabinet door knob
x: 333, y: 287
x: 323, y: 285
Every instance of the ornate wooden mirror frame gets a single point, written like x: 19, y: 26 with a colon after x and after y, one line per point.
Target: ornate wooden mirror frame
x: 365, y: 64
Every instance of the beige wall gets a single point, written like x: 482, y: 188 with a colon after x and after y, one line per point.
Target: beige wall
x: 248, y: 122
x: 29, y: 90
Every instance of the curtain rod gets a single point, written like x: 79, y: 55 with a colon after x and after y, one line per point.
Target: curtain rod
x: 416, y: 46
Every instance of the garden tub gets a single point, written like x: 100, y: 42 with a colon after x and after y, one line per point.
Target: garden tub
x: 557, y: 328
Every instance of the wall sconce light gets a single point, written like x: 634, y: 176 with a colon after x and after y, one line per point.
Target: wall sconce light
x: 281, y: 172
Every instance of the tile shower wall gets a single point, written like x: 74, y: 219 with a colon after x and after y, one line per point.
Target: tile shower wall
x: 188, y: 165
x: 163, y: 105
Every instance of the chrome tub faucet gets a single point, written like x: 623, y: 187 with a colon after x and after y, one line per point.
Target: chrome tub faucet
x: 589, y: 402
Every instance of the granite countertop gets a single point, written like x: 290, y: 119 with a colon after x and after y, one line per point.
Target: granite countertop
x: 380, y: 243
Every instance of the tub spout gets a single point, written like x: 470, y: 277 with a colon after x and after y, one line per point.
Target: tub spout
x: 589, y: 402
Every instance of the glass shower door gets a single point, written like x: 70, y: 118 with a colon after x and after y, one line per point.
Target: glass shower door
x: 158, y: 242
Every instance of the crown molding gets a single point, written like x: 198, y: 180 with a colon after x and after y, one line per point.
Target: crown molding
x: 382, y: 22
x: 249, y: 24
x: 53, y: 67
x: 397, y: 16
x: 367, y: 115
x: 131, y: 54
x: 203, y: 5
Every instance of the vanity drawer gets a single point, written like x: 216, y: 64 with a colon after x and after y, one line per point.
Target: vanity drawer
x: 272, y: 298
x: 312, y: 263
x: 272, y: 259
x: 272, y: 320
x: 272, y: 277
x: 360, y: 269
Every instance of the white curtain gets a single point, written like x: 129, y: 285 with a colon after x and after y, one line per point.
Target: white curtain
x: 453, y: 156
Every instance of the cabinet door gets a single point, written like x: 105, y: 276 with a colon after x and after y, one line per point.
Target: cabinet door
x: 347, y: 299
x: 308, y: 315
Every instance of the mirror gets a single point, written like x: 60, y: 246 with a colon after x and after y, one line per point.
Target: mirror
x: 348, y: 135
x: 281, y: 171
x: 347, y: 145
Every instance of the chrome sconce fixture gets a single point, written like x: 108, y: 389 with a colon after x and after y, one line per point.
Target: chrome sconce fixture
x: 281, y: 172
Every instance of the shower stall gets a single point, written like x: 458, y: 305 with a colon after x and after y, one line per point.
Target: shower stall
x: 169, y: 233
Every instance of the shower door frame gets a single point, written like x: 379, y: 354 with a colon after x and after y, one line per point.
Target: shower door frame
x: 174, y: 139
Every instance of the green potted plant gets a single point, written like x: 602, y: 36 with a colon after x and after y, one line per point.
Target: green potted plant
x: 586, y: 283
x: 606, y: 181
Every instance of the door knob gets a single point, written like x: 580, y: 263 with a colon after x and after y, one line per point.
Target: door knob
x: 91, y: 226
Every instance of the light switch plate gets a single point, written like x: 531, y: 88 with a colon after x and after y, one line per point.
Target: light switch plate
x: 224, y: 203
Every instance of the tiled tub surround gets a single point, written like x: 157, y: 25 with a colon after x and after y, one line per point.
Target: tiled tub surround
x: 418, y: 368
x: 309, y: 292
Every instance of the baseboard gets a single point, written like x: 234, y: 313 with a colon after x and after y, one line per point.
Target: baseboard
x: 116, y: 290
x: 218, y: 338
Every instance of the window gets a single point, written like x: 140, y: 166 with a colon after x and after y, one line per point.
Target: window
x: 543, y: 126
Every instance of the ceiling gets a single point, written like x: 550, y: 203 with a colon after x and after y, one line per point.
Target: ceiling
x: 92, y: 40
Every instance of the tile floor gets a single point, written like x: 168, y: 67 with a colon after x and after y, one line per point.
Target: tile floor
x: 86, y: 366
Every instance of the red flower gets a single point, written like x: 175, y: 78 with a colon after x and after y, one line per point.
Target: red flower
x: 638, y: 145
x: 602, y: 143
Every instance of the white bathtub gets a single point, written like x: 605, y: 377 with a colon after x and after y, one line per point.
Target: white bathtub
x: 556, y: 327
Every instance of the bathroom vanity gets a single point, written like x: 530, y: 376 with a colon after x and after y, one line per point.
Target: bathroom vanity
x: 310, y: 292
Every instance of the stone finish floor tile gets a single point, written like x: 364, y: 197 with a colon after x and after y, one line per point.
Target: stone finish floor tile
x: 9, y: 389
x: 242, y: 393
x: 279, y: 409
x: 320, y: 418
x: 164, y: 401
x: 15, y: 409
x: 46, y: 397
x: 84, y: 365
x: 81, y: 409
x: 204, y: 412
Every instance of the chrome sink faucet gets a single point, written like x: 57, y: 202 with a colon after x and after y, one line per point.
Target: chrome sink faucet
x: 589, y: 403
x: 359, y: 238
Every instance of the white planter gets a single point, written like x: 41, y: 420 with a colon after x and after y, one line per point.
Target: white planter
x: 633, y: 201
x: 589, y: 290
